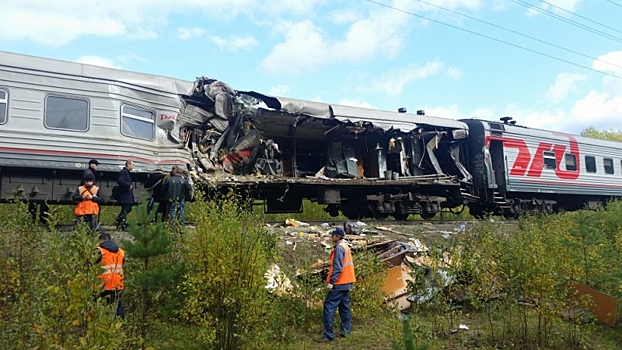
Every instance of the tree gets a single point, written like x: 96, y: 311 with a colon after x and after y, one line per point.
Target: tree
x: 611, y: 135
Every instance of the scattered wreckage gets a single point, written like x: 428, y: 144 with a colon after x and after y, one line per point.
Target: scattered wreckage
x: 401, y: 259
x: 357, y: 161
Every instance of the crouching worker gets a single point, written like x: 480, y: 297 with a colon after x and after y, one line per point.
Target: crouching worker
x: 338, y: 284
x: 87, y: 208
x: 111, y: 258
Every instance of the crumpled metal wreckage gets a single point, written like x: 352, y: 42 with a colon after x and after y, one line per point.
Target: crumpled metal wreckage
x: 225, y: 130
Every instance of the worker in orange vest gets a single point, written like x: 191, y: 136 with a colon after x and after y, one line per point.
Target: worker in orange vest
x: 88, y: 200
x: 338, y: 282
x: 112, y: 259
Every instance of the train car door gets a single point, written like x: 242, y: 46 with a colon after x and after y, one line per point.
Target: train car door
x: 497, y: 160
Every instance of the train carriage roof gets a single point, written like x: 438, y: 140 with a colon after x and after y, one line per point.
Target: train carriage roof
x: 385, y: 120
x: 52, y: 66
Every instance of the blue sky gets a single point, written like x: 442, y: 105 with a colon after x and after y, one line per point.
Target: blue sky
x: 435, y: 55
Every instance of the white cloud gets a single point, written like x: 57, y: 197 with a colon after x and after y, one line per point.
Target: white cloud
x: 555, y: 6
x: 234, y: 43
x: 609, y: 62
x: 570, y: 5
x: 452, y: 112
x: 56, y: 23
x: 345, y: 16
x: 189, y: 33
x: 355, y: 103
x: 564, y: 83
x: 304, y: 47
x: 98, y: 61
x: 128, y: 57
x: 453, y: 73
x: 599, y: 110
x: 279, y: 90
x: 393, y: 81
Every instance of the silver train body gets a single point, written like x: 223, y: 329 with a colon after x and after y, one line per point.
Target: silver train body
x: 56, y: 115
x: 517, y: 169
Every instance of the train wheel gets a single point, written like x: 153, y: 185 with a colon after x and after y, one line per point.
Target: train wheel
x: 400, y: 212
x: 427, y: 215
x: 332, y: 210
x: 401, y: 216
x: 353, y: 211
x: 510, y: 214
x: 381, y: 216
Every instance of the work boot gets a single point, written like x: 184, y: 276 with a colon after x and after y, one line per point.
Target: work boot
x: 323, y: 340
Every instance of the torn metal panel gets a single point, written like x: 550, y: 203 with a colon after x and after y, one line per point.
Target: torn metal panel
x: 603, y: 306
x: 309, y: 108
x: 386, y: 120
x: 396, y: 286
x: 393, y: 120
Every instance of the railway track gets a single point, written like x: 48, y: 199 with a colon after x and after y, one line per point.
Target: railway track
x: 385, y: 222
x: 334, y: 223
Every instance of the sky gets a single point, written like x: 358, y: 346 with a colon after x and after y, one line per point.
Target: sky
x: 553, y: 64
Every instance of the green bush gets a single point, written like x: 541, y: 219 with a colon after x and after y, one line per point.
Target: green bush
x: 227, y: 257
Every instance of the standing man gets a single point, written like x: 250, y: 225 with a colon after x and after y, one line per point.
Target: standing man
x: 125, y: 194
x: 88, y: 200
x: 92, y: 169
x: 339, y: 282
x: 112, y: 259
x: 175, y: 190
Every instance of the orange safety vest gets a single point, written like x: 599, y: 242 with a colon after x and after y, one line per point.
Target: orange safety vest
x: 347, y: 271
x: 112, y: 263
x: 87, y: 206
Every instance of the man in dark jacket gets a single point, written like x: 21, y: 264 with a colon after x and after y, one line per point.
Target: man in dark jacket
x: 175, y: 191
x: 125, y: 194
x: 92, y: 169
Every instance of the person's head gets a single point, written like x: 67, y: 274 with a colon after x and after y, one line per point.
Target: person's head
x: 93, y: 163
x: 129, y: 164
x: 105, y: 236
x: 336, y: 234
x: 89, y: 179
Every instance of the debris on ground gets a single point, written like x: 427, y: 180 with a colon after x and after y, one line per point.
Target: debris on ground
x: 402, y: 257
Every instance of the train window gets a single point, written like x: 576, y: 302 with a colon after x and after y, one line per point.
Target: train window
x: 590, y: 164
x: 4, y: 102
x: 571, y: 161
x: 608, y: 165
x: 549, y: 160
x: 137, y: 122
x: 66, y: 113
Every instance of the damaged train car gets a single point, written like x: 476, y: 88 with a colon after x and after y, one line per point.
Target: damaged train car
x: 361, y: 162
x: 55, y: 115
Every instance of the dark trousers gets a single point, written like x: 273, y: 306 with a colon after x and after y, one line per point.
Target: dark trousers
x: 90, y: 219
x: 337, y: 299
x: 177, y: 212
x: 125, y: 209
x: 113, y: 297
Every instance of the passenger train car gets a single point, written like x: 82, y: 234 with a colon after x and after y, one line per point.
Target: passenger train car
x: 56, y: 115
x: 520, y: 170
